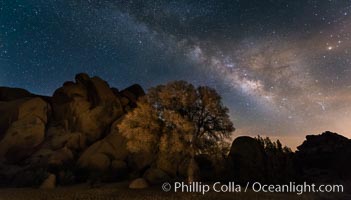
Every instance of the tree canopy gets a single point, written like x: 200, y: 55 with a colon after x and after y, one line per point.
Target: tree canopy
x: 176, y: 116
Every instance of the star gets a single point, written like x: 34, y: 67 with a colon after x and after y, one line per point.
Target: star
x: 277, y: 62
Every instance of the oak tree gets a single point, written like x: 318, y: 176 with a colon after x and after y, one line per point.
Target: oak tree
x: 177, y: 118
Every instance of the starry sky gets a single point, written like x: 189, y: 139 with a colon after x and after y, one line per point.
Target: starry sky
x: 282, y: 67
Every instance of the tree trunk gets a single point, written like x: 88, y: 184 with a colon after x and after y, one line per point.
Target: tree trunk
x: 192, y: 164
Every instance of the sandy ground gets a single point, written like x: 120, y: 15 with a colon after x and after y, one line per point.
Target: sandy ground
x: 120, y: 191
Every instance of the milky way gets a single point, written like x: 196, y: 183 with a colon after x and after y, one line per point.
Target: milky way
x: 282, y: 67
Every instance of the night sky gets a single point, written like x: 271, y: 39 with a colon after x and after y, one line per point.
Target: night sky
x: 282, y: 67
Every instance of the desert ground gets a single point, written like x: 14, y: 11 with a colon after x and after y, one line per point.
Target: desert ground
x: 121, y: 191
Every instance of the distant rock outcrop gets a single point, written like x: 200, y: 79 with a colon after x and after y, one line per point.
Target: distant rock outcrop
x: 324, y: 158
x: 320, y: 159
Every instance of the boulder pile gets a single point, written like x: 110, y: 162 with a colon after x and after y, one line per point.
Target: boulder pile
x: 73, y: 133
x: 324, y: 158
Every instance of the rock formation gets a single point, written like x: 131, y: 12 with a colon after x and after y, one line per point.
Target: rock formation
x: 75, y: 129
x: 23, y: 127
x: 248, y: 160
x: 324, y: 158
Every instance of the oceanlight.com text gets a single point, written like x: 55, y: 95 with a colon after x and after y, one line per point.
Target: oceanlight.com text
x: 232, y: 187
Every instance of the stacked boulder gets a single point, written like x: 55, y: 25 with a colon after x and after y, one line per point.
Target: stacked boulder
x: 74, y: 130
x: 23, y: 121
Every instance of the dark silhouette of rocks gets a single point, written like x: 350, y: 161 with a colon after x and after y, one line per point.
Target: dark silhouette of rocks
x: 10, y: 94
x: 248, y: 160
x: 132, y: 93
x: 213, y: 167
x: 324, y: 158
x: 320, y: 159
